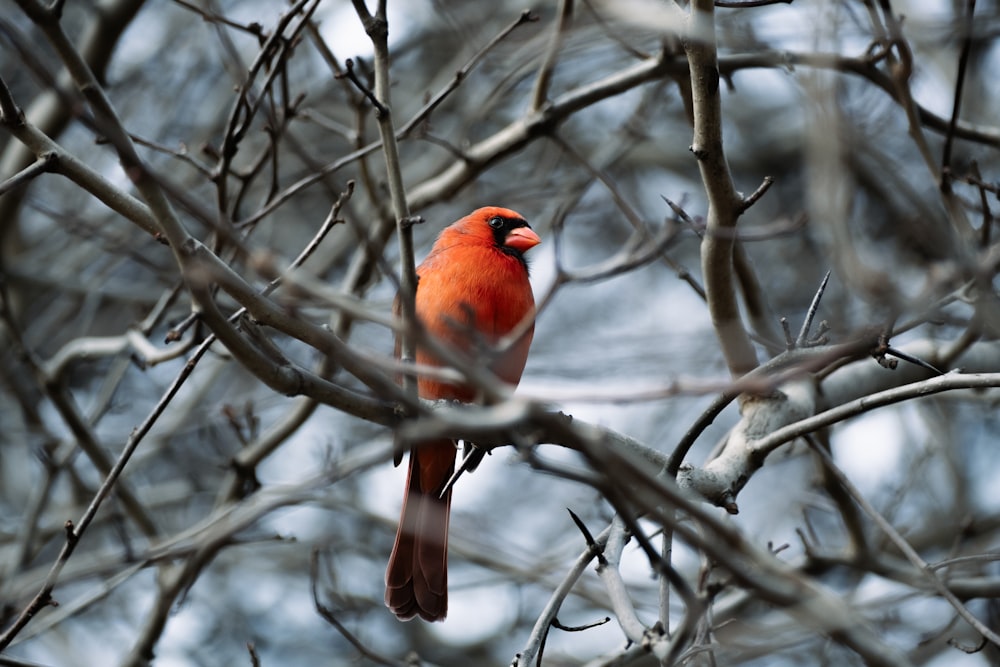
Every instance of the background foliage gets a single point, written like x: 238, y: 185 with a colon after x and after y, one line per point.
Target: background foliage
x: 230, y: 501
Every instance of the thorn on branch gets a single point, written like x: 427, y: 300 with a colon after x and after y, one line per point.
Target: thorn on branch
x: 579, y: 628
x: 737, y: 4
x: 380, y: 109
x: 681, y: 214
x: 883, y: 350
x: 473, y: 457
x: 591, y: 542
x: 786, y: 328
x: 899, y: 354
x: 803, y: 340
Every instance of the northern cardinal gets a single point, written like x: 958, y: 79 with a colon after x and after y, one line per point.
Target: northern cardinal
x: 472, y: 290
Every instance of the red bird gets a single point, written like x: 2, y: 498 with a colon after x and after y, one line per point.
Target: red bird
x: 472, y: 290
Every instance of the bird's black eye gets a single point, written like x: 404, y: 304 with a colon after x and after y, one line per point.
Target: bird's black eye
x: 496, y: 222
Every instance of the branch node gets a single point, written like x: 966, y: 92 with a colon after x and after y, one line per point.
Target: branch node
x: 728, y: 503
x: 528, y: 16
x: 411, y: 220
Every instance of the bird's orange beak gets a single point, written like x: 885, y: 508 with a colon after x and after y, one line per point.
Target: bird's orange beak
x: 522, y: 238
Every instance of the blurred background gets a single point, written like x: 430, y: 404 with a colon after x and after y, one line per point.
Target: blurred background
x: 192, y: 559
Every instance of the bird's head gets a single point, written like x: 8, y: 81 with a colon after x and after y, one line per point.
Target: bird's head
x: 503, y: 228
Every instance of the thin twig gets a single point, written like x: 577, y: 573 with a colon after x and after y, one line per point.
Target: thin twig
x: 377, y: 28
x: 534, y: 646
x: 76, y: 531
x: 761, y: 189
x: 352, y: 76
x: 328, y: 615
x: 44, y: 164
x: 539, y: 94
x: 963, y: 61
x: 527, y: 16
x: 986, y: 227
x: 908, y: 551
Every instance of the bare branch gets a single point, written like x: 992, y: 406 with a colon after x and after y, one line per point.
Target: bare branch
x: 543, y: 79
x: 724, y: 204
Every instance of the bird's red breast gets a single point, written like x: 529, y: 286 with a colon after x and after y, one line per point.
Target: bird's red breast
x: 473, y: 290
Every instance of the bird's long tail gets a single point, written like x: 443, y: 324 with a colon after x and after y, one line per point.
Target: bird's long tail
x: 416, y: 581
